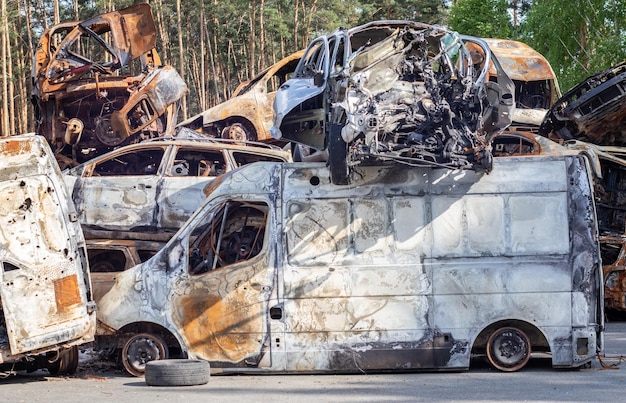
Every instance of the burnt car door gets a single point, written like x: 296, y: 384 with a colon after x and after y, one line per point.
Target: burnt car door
x: 119, y: 192
x: 221, y: 307
x: 45, y: 291
x: 299, y: 103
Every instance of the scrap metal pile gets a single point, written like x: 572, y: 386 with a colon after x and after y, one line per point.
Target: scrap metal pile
x: 99, y: 84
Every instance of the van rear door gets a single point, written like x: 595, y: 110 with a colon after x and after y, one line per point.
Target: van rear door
x: 45, y: 287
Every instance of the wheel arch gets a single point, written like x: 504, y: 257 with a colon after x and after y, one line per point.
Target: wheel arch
x: 171, y: 338
x: 538, y: 340
x: 251, y: 128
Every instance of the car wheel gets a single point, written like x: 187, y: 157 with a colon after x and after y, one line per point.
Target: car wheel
x: 141, y: 349
x: 238, y: 132
x: 66, y: 363
x: 179, y: 372
x: 338, y: 156
x: 508, y: 349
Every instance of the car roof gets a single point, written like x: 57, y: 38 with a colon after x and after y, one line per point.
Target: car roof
x: 201, y: 142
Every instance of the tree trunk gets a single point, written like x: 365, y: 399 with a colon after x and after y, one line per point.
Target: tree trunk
x: 261, y: 36
x: 203, y: 90
x: 181, y: 65
x: 22, y: 94
x: 252, y: 54
x: 165, y: 38
x: 57, y: 15
x: 11, y: 89
x: 308, y: 25
x: 295, y: 25
x: 4, y: 32
x: 30, y: 125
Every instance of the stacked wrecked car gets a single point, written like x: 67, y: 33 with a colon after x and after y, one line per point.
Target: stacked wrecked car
x: 99, y: 84
x: 395, y: 91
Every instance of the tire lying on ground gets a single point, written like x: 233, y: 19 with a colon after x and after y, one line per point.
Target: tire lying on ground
x: 177, y: 372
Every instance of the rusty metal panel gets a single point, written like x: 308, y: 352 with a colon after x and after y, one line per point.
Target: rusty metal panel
x: 520, y: 61
x: 67, y: 292
x: 45, y: 287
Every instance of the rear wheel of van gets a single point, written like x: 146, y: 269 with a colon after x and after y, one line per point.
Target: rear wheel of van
x: 66, y: 362
x: 338, y: 156
x: 508, y: 349
x: 179, y: 372
x: 141, y: 349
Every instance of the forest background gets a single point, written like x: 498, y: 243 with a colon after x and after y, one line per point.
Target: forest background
x: 216, y: 44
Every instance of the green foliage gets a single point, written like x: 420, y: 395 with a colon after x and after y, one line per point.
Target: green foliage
x: 481, y: 18
x: 582, y: 39
x: 426, y: 11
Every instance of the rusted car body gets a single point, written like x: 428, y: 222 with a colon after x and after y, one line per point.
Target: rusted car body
x: 247, y: 115
x: 100, y: 83
x: 591, y: 119
x: 536, y: 90
x: 109, y: 257
x: 411, y: 268
x: 46, y: 307
x: 395, y: 91
x: 154, y: 186
x: 594, y: 111
x: 536, y: 85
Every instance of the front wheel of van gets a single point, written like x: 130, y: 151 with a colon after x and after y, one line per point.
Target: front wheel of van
x: 140, y: 349
x: 508, y: 349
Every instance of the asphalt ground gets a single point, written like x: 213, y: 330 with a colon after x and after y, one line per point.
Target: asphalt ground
x: 95, y: 381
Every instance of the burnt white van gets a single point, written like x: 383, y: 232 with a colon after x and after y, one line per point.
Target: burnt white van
x: 46, y: 308
x: 406, y: 268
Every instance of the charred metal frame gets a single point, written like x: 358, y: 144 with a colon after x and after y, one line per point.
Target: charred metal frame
x: 86, y: 105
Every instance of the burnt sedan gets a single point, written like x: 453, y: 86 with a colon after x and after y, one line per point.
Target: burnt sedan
x: 152, y: 188
x: 395, y: 91
x: 247, y: 115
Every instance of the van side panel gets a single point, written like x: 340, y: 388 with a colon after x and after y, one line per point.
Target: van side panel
x: 405, y: 268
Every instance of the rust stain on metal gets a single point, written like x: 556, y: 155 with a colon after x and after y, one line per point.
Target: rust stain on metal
x: 14, y: 147
x: 520, y: 61
x: 66, y: 291
x: 213, y: 326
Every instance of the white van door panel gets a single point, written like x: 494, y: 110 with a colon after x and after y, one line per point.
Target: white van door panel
x: 42, y: 288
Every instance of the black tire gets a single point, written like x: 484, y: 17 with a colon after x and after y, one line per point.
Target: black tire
x: 179, y: 372
x: 141, y: 349
x: 338, y: 156
x: 508, y: 349
x: 66, y: 363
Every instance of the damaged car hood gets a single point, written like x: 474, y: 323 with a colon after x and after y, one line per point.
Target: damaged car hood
x: 594, y: 111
